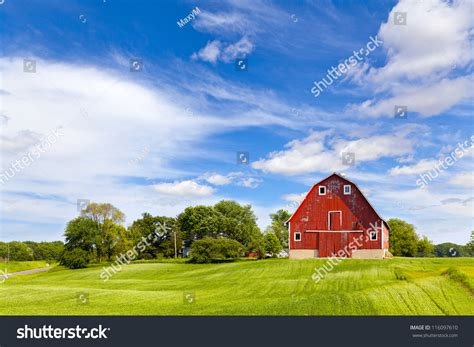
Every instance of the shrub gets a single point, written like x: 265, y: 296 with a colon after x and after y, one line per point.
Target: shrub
x: 75, y: 258
x: 209, y: 250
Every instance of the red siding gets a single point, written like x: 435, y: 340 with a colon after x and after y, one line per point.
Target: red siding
x: 313, y: 214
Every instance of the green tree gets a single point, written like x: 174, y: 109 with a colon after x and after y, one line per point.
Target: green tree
x: 161, y: 232
x: 257, y: 245
x: 272, y: 244
x: 470, y: 244
x: 82, y: 233
x: 403, y: 238
x: 106, y: 217
x: 278, y: 226
x: 449, y: 249
x: 199, y: 221
x: 237, y: 222
x: 425, y: 247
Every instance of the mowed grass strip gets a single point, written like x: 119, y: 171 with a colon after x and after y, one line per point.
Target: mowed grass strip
x: 399, y: 286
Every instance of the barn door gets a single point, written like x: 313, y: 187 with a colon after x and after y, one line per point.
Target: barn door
x: 335, y: 220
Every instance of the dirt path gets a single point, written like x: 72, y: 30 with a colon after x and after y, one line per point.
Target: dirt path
x: 25, y: 272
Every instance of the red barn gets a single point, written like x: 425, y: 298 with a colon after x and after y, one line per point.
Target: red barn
x: 335, y: 219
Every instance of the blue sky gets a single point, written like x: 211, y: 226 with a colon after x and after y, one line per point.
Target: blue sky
x: 167, y: 136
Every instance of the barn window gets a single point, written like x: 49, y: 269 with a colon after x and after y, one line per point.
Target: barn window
x: 322, y: 190
x: 373, y: 236
x: 297, y: 236
x: 347, y: 189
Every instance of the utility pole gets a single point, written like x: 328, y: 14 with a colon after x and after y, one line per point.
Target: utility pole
x: 175, y: 248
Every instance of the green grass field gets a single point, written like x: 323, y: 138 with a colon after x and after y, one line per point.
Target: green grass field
x: 266, y: 287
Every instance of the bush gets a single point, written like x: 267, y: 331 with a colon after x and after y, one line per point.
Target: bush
x: 209, y: 250
x: 75, y: 258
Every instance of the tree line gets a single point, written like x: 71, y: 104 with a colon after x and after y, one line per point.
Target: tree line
x: 224, y: 231
x: 29, y: 250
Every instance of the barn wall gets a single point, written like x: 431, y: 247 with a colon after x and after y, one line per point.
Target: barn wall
x: 357, y: 215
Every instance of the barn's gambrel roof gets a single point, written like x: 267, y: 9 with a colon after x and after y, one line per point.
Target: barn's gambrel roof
x: 345, y: 179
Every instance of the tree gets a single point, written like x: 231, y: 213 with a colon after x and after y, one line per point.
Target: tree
x: 161, y: 232
x: 81, y: 233
x: 425, y: 247
x: 199, y: 221
x: 257, y: 245
x: 278, y: 226
x: 470, y: 245
x: 237, y: 222
x: 272, y: 244
x: 226, y: 218
x: 403, y: 238
x: 449, y: 249
x: 106, y: 216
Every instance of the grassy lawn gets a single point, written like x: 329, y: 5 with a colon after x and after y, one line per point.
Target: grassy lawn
x: 15, y: 266
x: 266, y: 287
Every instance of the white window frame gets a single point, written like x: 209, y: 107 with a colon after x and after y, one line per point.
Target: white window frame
x: 294, y: 236
x: 319, y: 190
x: 350, y: 189
x: 372, y: 232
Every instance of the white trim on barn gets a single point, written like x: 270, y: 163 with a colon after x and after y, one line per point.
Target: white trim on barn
x: 334, y: 231
x: 349, y: 191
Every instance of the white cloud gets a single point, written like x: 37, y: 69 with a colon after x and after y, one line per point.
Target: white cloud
x: 440, y: 215
x: 209, y: 53
x: 218, y: 180
x: 108, y: 118
x: 249, y: 182
x: 424, y: 59
x: 464, y: 179
x: 216, y: 50
x: 187, y: 189
x: 238, y: 50
x: 423, y: 165
x: 313, y: 154
x: 427, y: 100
